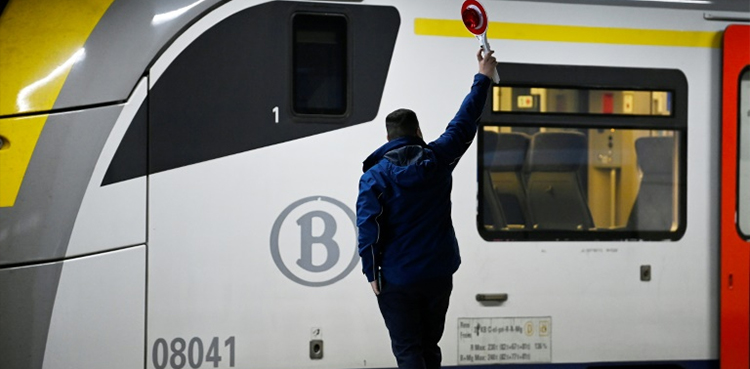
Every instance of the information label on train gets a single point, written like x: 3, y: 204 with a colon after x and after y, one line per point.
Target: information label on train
x: 504, y: 340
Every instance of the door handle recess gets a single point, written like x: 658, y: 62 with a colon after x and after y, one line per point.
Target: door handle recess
x: 492, y: 297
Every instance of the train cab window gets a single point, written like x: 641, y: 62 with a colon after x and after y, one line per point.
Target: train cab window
x: 319, y: 80
x: 743, y: 202
x: 581, y: 163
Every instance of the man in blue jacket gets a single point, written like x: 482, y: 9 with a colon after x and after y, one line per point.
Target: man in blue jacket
x: 406, y: 239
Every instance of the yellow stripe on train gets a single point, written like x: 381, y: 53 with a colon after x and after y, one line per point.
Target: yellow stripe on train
x: 40, y: 41
x: 543, y: 32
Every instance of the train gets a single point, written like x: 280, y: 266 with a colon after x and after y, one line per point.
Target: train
x: 178, y: 181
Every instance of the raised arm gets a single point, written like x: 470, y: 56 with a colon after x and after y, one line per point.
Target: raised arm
x: 459, y: 134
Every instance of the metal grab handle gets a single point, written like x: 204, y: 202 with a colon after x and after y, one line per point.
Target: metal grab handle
x: 492, y: 297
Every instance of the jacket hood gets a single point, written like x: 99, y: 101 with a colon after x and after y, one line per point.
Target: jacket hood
x: 379, y: 154
x: 409, y: 161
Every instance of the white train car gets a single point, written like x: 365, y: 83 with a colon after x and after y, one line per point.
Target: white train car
x: 178, y: 181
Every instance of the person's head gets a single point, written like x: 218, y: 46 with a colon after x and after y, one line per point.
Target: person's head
x: 402, y: 123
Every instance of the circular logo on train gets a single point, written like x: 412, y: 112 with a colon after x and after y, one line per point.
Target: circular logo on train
x: 313, y: 241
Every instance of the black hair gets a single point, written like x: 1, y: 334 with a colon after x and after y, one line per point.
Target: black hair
x: 401, y: 123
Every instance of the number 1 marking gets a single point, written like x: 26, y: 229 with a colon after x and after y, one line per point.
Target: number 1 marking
x: 276, y: 113
x: 230, y: 342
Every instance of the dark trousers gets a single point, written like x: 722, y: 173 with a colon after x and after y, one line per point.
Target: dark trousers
x: 415, y: 317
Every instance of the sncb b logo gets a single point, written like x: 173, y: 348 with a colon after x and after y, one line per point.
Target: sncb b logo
x: 313, y: 241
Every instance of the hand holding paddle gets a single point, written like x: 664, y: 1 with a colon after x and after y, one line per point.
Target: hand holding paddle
x: 476, y: 21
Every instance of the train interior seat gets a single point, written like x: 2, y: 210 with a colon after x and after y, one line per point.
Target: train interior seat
x: 506, y: 173
x: 653, y: 207
x: 493, y: 213
x: 556, y: 197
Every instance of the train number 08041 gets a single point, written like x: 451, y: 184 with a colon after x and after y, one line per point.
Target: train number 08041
x: 178, y: 353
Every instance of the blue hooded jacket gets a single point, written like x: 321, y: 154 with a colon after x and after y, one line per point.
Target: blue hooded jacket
x: 404, y: 206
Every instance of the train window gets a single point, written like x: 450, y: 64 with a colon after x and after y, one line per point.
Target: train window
x: 319, y: 82
x: 583, y: 153
x: 743, y: 201
x: 581, y: 101
x: 597, y: 180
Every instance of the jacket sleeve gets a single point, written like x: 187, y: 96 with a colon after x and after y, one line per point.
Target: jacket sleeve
x: 459, y: 134
x: 369, y: 210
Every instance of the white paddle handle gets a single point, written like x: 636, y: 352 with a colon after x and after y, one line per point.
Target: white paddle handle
x: 486, y: 46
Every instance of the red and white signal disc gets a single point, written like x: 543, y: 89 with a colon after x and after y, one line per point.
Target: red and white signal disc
x: 474, y: 17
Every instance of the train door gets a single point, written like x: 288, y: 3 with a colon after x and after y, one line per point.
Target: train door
x: 735, y: 200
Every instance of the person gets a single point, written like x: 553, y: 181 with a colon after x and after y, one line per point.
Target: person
x: 406, y: 239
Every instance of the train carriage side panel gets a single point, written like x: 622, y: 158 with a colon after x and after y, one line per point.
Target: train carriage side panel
x: 224, y: 131
x: 175, y: 155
